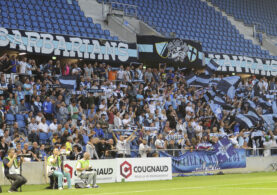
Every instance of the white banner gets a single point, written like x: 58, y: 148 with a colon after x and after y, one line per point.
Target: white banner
x: 106, y: 170
x: 143, y: 169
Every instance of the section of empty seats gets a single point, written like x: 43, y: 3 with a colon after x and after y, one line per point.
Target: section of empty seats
x: 252, y: 12
x: 194, y: 20
x: 52, y: 16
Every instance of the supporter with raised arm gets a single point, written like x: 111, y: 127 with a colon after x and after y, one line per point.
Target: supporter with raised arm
x: 122, y: 143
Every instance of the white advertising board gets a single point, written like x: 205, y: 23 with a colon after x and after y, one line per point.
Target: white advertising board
x: 106, y: 170
x: 143, y: 169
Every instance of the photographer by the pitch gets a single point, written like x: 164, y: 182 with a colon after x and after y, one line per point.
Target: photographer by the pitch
x: 55, y: 164
x: 84, y: 171
x: 12, y: 170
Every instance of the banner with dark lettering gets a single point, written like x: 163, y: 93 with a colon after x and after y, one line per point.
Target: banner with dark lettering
x: 222, y: 156
x: 169, y: 50
x: 67, y: 46
x: 243, y: 64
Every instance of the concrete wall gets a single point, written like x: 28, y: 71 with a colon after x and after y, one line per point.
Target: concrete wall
x: 255, y: 164
x: 147, y: 30
x: 35, y: 172
x: 126, y: 34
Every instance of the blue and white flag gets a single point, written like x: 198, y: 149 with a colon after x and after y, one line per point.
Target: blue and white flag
x: 227, y: 82
x: 245, y: 121
x: 68, y: 82
x: 274, y: 107
x: 217, y: 110
x: 190, y: 79
x: 268, y: 118
x: 202, y: 81
x: 224, y: 150
x: 231, y: 92
x: 219, y: 100
x: 252, y: 104
x: 228, y: 85
x: 211, y: 67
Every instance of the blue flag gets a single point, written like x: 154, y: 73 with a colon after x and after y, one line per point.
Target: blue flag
x: 224, y: 149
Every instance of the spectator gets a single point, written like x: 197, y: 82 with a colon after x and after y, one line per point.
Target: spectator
x: 144, y: 149
x: 98, y: 131
x: 35, y: 151
x: 159, y: 143
x: 73, y: 111
x: 53, y: 126
x: 43, y: 127
x: 33, y: 126
x: 122, y: 144
x: 42, y: 152
x: 68, y: 144
x: 48, y: 109
x: 3, y: 147
x: 27, y: 151
x: 110, y: 149
x: 90, y: 148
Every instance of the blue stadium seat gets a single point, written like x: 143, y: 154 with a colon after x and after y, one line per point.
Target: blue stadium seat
x: 10, y: 119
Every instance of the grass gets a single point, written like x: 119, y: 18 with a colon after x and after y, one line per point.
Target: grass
x: 232, y: 184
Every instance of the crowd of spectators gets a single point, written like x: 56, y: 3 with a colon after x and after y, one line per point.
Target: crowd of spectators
x: 138, y: 112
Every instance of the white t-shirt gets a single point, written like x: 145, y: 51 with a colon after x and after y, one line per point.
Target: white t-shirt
x: 189, y: 108
x: 142, y: 150
x: 159, y: 143
x: 38, y: 119
x: 121, y: 146
x: 152, y: 108
x: 126, y: 121
x: 117, y: 122
x: 44, y: 127
x: 120, y: 74
x: 53, y: 127
x: 23, y: 66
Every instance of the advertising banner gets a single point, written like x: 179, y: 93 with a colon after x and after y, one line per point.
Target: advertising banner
x: 222, y: 156
x: 169, y: 50
x: 106, y: 170
x: 67, y: 46
x: 143, y: 169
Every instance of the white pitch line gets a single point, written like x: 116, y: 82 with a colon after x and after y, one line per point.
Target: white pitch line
x: 250, y: 188
x: 154, y: 190
x: 197, y: 187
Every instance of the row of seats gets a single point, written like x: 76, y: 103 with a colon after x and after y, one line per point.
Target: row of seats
x: 53, y: 16
x: 252, y: 12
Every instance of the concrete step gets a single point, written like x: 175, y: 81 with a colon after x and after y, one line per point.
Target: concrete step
x: 98, y: 12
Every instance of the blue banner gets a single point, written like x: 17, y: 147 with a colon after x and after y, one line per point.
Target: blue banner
x: 222, y: 156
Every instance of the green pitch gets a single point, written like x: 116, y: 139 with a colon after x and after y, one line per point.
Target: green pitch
x: 233, y: 184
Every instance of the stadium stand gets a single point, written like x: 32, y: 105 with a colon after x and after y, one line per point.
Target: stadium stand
x: 164, y: 104
x: 193, y: 20
x: 55, y: 16
x: 252, y: 12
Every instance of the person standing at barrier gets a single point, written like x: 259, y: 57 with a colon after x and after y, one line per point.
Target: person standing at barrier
x: 84, y: 171
x: 121, y: 144
x: 12, y: 170
x: 54, y: 162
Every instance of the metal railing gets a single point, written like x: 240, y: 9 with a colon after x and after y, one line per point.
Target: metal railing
x: 128, y: 9
x: 249, y: 152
